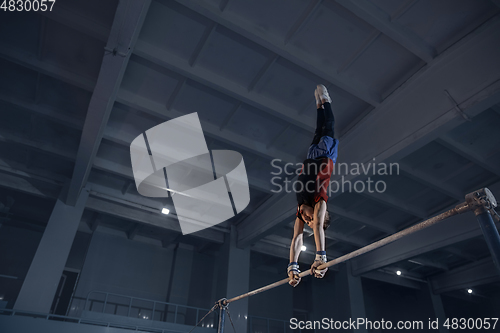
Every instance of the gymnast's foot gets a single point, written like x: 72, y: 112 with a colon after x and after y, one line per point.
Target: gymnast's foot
x: 321, y: 95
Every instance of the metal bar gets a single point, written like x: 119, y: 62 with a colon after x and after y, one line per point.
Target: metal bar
x: 491, y: 236
x: 459, y: 209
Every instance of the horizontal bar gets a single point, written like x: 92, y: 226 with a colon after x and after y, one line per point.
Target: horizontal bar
x: 459, y: 209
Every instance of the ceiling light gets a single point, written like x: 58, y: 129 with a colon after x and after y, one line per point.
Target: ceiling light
x: 303, y: 248
x: 469, y: 291
x: 165, y: 211
x: 398, y: 272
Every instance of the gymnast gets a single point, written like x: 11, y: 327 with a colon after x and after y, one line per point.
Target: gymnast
x: 312, y: 192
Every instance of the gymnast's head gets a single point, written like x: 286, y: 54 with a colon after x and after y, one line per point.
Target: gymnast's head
x: 307, y: 213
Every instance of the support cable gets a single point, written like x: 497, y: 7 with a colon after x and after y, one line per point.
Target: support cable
x: 209, y: 312
x: 229, y: 316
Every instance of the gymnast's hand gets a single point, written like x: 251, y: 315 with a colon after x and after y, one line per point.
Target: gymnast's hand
x: 293, y: 279
x: 320, y: 260
x: 316, y: 272
x: 293, y: 274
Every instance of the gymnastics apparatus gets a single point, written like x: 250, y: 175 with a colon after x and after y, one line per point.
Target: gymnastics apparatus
x: 481, y: 202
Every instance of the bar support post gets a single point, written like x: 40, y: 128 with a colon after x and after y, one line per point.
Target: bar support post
x: 222, y: 314
x: 491, y: 236
x: 483, y: 203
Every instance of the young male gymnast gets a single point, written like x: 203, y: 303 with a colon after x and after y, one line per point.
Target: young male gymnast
x: 311, y: 190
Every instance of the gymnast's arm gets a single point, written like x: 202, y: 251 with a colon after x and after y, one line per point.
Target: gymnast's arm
x: 318, y: 223
x: 295, y: 248
x: 297, y: 240
x: 319, y: 238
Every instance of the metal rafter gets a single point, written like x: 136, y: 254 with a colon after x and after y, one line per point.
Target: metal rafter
x: 30, y: 61
x: 369, y: 12
x: 142, y: 104
x: 47, y: 188
x: 431, y: 181
x: 127, y: 24
x: 202, y: 44
x: 78, y: 22
x: 207, y: 78
x: 396, y: 203
x: 154, y: 109
x: 361, y: 49
x: 469, y: 154
x: 277, y: 46
x: 84, y: 26
x: 466, y: 276
x: 302, y: 20
x: 452, y: 231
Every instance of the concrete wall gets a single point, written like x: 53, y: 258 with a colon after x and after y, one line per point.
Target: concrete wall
x: 276, y: 303
x: 395, y: 303
x: 118, y: 265
x: 18, y: 247
x: 140, y: 268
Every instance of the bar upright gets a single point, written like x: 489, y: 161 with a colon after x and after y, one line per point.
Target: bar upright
x: 491, y: 236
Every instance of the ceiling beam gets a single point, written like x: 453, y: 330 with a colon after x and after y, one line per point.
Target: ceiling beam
x: 431, y: 181
x: 187, y: 69
x: 277, y: 45
x: 382, y: 21
x: 496, y: 107
x: 29, y: 60
x: 94, y: 222
x: 78, y: 22
x: 213, y: 131
x: 361, y: 49
x: 302, y: 20
x: 269, y: 216
x: 365, y: 220
x: 121, y: 207
x: 99, y: 162
x: 464, y: 277
x: 255, y: 81
x: 202, y: 44
x: 396, y: 203
x: 56, y: 116
x: 219, y: 83
x: 170, y: 241
x: 468, y: 153
x: 132, y: 214
x: 35, y: 186
x: 459, y: 253
x: 428, y: 263
x: 393, y: 279
x: 450, y: 231
x: 419, y: 111
x: 133, y: 231
x: 127, y: 24
x: 37, y: 146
